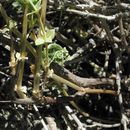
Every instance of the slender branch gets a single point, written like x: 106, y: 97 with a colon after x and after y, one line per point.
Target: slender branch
x: 122, y: 32
x: 100, y: 16
x: 106, y: 125
x: 118, y: 53
x: 44, y: 99
x: 76, y: 87
x: 40, y: 117
x: 124, y: 119
x: 84, y: 82
x: 73, y: 115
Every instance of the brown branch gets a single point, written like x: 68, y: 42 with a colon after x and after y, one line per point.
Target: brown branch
x: 100, y: 16
x: 79, y: 88
x: 44, y: 99
x: 84, y: 82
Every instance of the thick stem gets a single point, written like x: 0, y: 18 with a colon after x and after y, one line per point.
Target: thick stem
x: 78, y: 88
x: 80, y: 81
x: 20, y: 67
x: 37, y: 70
x: 38, y: 63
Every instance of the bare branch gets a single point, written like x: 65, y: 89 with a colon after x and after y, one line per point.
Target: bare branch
x: 84, y: 82
x: 100, y: 16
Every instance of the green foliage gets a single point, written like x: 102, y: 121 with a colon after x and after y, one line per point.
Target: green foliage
x: 56, y: 53
x: 46, y: 38
x: 34, y: 5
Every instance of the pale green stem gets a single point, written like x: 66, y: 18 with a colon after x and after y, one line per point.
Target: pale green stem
x: 38, y: 63
x: 22, y: 55
x: 78, y: 88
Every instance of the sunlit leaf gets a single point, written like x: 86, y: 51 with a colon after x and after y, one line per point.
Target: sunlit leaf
x: 38, y: 4
x: 39, y: 41
x: 50, y: 34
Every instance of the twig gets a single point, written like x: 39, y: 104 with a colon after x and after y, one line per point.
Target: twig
x: 106, y: 125
x: 122, y: 32
x: 40, y: 117
x: 68, y: 122
x: 4, y: 74
x: 79, y: 123
x: 44, y: 100
x: 100, y: 16
x: 118, y: 53
x: 76, y: 87
x: 51, y: 123
x: 98, y: 7
x: 124, y: 119
x: 107, y: 60
x: 83, y: 82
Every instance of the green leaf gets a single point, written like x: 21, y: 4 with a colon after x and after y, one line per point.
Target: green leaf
x: 47, y: 38
x: 50, y: 34
x: 39, y: 41
x: 38, y: 4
